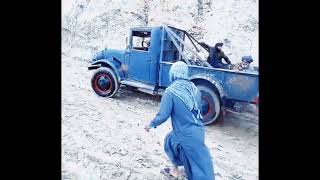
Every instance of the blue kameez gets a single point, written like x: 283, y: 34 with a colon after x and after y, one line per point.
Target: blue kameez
x: 185, y: 144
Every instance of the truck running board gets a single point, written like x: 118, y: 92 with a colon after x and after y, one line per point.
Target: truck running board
x: 137, y: 84
x: 144, y: 87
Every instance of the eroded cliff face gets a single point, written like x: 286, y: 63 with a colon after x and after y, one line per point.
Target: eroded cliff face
x: 96, y: 24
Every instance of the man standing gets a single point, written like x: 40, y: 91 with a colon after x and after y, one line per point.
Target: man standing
x: 185, y: 144
x: 216, y: 55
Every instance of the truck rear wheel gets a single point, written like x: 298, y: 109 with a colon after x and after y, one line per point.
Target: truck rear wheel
x: 210, y: 105
x: 104, y: 82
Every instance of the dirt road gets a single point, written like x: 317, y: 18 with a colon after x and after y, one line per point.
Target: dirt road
x: 103, y: 138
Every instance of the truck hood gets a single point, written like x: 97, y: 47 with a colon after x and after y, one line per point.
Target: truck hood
x: 109, y: 54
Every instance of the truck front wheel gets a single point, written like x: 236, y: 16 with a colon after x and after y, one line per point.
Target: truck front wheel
x: 210, y: 105
x: 104, y: 82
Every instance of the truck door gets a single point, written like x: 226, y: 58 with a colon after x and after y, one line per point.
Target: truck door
x: 140, y: 56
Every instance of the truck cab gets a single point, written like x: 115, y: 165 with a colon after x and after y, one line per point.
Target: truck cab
x: 141, y: 58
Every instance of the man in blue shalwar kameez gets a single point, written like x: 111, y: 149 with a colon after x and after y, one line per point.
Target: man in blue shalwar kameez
x: 185, y: 144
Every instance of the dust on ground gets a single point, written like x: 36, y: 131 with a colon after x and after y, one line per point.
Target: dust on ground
x: 103, y: 138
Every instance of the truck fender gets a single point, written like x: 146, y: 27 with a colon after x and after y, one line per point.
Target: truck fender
x: 216, y: 83
x: 112, y: 63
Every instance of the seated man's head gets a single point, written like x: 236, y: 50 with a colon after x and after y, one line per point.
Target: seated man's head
x: 146, y: 43
x: 219, y: 46
x: 246, y: 60
x: 245, y: 64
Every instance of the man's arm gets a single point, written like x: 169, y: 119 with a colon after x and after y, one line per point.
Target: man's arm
x: 164, y: 113
x: 225, y: 58
x: 205, y: 45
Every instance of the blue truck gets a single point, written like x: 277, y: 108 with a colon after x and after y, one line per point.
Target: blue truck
x: 146, y: 61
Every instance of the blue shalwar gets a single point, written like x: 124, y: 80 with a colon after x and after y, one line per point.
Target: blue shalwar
x: 185, y: 144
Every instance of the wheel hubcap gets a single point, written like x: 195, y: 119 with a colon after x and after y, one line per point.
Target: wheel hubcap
x: 205, y: 106
x: 104, y: 82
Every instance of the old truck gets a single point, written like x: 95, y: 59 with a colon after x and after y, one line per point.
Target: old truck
x: 145, y: 65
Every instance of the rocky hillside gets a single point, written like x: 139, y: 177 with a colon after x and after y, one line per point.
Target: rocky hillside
x: 93, y: 25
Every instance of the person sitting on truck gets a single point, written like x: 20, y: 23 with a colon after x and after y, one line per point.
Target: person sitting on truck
x: 244, y: 65
x: 216, y: 55
x: 185, y: 144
